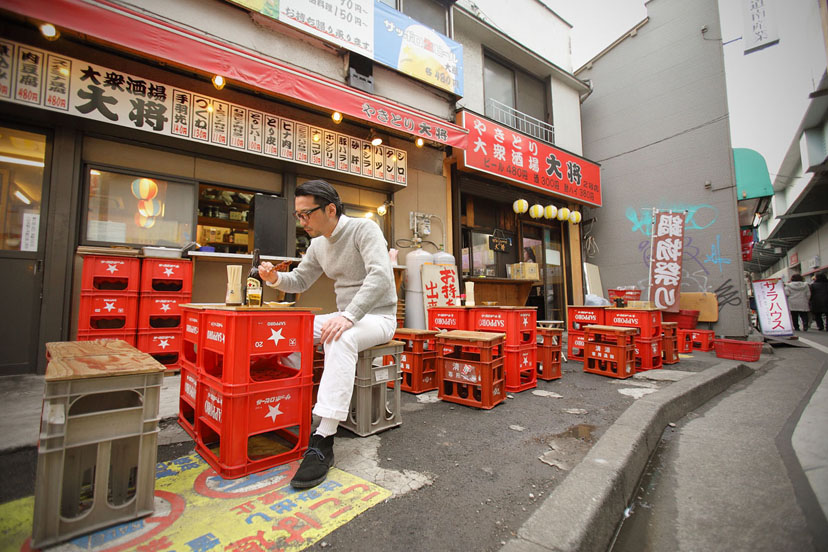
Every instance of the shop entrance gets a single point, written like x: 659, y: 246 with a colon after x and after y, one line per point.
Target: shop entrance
x: 544, y: 245
x: 23, y: 192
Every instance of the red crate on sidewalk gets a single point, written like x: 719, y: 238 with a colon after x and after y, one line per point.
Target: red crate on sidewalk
x: 164, y: 346
x: 668, y: 329
x: 243, y: 433
x: 736, y: 349
x: 418, y: 361
x: 520, y: 365
x: 470, y: 378
x: 160, y: 310
x: 648, y: 353
x: 686, y: 319
x: 167, y: 276
x: 518, y: 323
x: 685, y: 340
x: 93, y: 335
x: 550, y: 344
x: 580, y: 316
x: 576, y: 342
x: 703, y: 340
x: 648, y: 321
x: 102, y: 273
x: 188, y: 403
x: 669, y: 350
x: 108, y: 311
x: 191, y: 335
x: 448, y: 318
x: 611, y: 335
x: 242, y: 348
x: 615, y: 361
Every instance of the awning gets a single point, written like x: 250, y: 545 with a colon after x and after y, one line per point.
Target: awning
x: 139, y: 33
x: 753, y: 185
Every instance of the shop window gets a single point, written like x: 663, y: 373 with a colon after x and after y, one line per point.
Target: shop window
x: 134, y: 209
x: 431, y: 13
x: 479, y: 259
x: 22, y: 160
x: 516, y: 99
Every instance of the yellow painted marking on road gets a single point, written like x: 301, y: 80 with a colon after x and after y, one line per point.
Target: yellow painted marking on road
x: 197, y: 510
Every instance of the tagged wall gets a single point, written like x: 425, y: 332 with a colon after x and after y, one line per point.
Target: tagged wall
x: 657, y: 123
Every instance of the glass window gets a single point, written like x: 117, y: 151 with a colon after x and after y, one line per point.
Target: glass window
x: 511, y: 94
x: 498, y: 83
x: 22, y: 159
x: 134, y: 210
x: 428, y: 12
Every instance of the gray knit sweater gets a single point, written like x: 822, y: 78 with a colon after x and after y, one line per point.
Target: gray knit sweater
x: 355, y: 257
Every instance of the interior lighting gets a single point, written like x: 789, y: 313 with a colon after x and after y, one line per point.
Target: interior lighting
x: 20, y: 161
x: 22, y: 197
x: 374, y: 138
x: 219, y: 82
x: 49, y: 31
x: 419, y: 142
x: 336, y: 116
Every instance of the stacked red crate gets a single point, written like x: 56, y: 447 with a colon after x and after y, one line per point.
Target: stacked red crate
x: 610, y: 351
x: 685, y: 340
x: 418, y: 361
x: 577, y: 318
x: 165, y: 284
x: 648, y: 341
x: 520, y: 351
x: 703, y: 340
x: 549, y: 353
x: 109, y: 298
x: 446, y: 319
x: 669, y: 342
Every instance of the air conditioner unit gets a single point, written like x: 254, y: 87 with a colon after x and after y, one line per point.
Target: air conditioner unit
x: 813, y: 262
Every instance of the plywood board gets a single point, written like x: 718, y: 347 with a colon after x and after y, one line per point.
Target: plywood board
x: 705, y: 302
x: 593, y: 279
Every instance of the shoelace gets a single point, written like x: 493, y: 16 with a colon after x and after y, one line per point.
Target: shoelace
x: 315, y: 451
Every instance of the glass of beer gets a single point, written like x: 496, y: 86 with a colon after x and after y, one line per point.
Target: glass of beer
x: 254, y: 297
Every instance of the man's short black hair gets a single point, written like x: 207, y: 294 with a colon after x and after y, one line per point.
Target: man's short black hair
x: 322, y: 192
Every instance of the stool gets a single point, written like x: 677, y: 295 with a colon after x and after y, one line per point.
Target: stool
x: 372, y: 410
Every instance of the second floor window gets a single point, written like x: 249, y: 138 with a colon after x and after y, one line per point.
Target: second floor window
x: 431, y: 13
x: 512, y: 94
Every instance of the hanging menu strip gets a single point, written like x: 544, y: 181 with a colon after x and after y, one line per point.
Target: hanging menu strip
x: 30, y: 76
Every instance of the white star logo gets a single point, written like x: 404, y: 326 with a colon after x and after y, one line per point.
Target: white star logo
x: 525, y: 321
x: 168, y: 271
x: 165, y: 307
x: 273, y: 411
x: 110, y: 306
x: 113, y: 268
x: 275, y: 336
x: 164, y: 343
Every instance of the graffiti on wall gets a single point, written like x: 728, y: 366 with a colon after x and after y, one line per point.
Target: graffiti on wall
x: 699, y: 217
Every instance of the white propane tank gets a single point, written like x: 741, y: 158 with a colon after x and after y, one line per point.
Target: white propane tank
x: 444, y: 257
x: 414, y: 309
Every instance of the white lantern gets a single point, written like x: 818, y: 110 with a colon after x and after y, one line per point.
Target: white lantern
x: 563, y: 214
x: 536, y: 211
x: 574, y: 217
x: 520, y: 206
x: 549, y: 212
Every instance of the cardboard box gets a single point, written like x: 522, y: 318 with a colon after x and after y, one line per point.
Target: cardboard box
x: 523, y: 271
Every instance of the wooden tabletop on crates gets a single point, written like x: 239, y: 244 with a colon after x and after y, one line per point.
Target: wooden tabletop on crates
x: 273, y: 306
x: 93, y: 359
x: 617, y: 329
x: 477, y: 336
x: 415, y: 331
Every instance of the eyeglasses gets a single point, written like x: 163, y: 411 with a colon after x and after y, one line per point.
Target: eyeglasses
x: 305, y: 215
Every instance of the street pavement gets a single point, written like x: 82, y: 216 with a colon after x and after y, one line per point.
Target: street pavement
x: 550, y: 469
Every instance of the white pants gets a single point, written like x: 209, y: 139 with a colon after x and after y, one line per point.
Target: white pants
x: 337, y: 384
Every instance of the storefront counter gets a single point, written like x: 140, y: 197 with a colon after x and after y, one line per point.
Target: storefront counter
x: 503, y: 291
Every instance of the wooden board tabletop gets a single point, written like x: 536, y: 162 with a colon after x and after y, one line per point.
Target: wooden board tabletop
x: 616, y: 329
x: 476, y: 336
x: 245, y: 308
x: 94, y: 359
x: 415, y: 331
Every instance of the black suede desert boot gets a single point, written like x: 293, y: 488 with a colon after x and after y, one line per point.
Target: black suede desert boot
x: 318, y: 459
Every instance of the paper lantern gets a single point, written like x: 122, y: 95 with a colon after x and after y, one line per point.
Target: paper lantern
x: 550, y: 211
x: 149, y: 207
x: 144, y: 221
x: 144, y: 188
x: 520, y: 206
x: 574, y: 217
x: 536, y: 211
x: 563, y: 213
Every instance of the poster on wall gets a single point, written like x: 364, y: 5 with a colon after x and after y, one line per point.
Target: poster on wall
x: 772, y: 307
x: 441, y: 286
x: 665, y: 260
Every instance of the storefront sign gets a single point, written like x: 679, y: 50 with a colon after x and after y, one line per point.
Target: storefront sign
x: 758, y: 25
x: 500, y: 245
x: 498, y: 150
x: 441, y: 286
x: 665, y: 260
x: 772, y: 307
x: 746, y: 238
x: 95, y: 92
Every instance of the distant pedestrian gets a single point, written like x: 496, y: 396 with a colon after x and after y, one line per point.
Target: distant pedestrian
x: 798, y: 294
x: 819, y: 301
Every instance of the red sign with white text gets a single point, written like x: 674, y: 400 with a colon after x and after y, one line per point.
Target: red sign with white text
x: 666, y: 258
x: 746, y: 237
x: 498, y: 150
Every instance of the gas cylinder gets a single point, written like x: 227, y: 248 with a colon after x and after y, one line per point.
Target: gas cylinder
x: 414, y: 309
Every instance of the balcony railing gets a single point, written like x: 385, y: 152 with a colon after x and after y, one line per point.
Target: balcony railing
x: 520, y: 121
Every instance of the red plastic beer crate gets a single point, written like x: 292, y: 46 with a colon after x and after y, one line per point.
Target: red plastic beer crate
x: 108, y: 311
x: 648, y: 321
x: 615, y: 361
x: 243, y: 433
x: 736, y: 349
x: 190, y: 339
x: 550, y: 344
x: 470, y: 378
x: 575, y: 345
x: 668, y: 329
x: 416, y: 341
x: 579, y: 316
x: 160, y: 310
x: 610, y: 335
x: 93, y: 335
x: 188, y: 403
x: 164, y: 346
x: 109, y: 274
x: 519, y: 324
x: 242, y: 348
x: 686, y: 319
x: 648, y: 353
x: 418, y: 372
x: 167, y: 276
x: 448, y: 318
x: 669, y: 350
x: 685, y: 340
x: 703, y: 340
x: 520, y: 364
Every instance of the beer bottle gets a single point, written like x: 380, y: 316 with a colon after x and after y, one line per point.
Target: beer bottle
x: 253, y: 289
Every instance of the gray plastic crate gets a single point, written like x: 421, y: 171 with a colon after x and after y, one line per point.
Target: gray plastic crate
x: 374, y: 406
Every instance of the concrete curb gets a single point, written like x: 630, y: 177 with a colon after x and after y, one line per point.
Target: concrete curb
x: 582, y: 513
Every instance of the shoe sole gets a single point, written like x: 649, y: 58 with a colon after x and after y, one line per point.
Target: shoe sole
x: 308, y: 484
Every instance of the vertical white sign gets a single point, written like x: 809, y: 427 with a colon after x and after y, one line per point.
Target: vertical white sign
x: 759, y: 25
x: 29, y: 232
x: 772, y: 307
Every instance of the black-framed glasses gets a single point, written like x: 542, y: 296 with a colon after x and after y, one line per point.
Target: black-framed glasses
x: 305, y: 215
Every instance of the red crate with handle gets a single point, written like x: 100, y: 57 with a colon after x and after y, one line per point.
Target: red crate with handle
x: 518, y: 323
x: 648, y: 321
x: 550, y: 344
x: 703, y: 340
x: 167, y: 276
x: 188, y: 403
x: 521, y: 368
x: 105, y: 273
x: 418, y: 361
x: 108, y: 311
x: 648, y: 353
x: 472, y: 373
x: 581, y: 316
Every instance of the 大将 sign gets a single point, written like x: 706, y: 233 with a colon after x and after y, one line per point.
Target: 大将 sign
x: 506, y: 153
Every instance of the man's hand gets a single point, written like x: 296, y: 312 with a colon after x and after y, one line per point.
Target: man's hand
x: 333, y: 328
x: 268, y: 272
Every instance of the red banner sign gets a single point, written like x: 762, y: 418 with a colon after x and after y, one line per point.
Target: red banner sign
x: 501, y: 151
x: 665, y: 260
x: 746, y: 237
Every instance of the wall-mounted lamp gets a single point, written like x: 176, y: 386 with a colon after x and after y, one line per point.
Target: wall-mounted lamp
x: 22, y: 197
x: 336, y: 116
x: 374, y: 138
x: 419, y: 142
x: 49, y: 31
x: 219, y: 82
x: 383, y: 209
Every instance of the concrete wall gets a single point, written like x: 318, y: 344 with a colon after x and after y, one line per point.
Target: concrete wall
x: 657, y: 122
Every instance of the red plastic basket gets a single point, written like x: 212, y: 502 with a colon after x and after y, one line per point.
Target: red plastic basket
x: 735, y: 349
x: 521, y: 368
x: 110, y: 273
x: 167, y: 276
x: 108, y: 311
x: 686, y: 319
x: 160, y: 310
x: 578, y: 317
x: 625, y: 294
x: 448, y: 318
x: 164, y: 346
x: 519, y: 325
